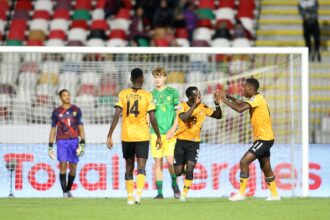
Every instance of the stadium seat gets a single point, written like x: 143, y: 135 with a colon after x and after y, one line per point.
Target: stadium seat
x: 27, y: 80
x: 175, y: 77
x: 98, y: 14
x: 77, y: 34
x: 81, y: 15
x: 225, y: 14
x: 182, y: 42
x: 204, y: 34
x: 14, y: 42
x: 57, y: 34
x: 79, y: 24
x: 95, y: 42
x: 2, y: 26
x: 7, y: 89
x: 206, y: 23
x: 59, y: 24
x: 120, y: 23
x: 227, y: 4
x: 29, y: 66
x: 181, y: 33
x: 100, y: 34
x: 118, y: 34
x: 48, y: 79
x: 100, y: 4
x: 61, y: 13
x: 44, y: 5
x: 199, y: 43
x: 100, y: 24
x: 76, y: 43
x: 209, y: 4
x: 55, y: 43
x: 83, y: 4
x: 123, y: 13
x: 205, y: 13
x: 23, y: 5
x: 241, y: 42
x: 69, y: 77
x: 41, y: 14
x: 220, y: 42
x: 50, y: 67
x: 247, y: 23
x: 39, y: 24
x: 9, y: 74
x: 87, y: 89
x: 89, y: 78
x: 161, y: 42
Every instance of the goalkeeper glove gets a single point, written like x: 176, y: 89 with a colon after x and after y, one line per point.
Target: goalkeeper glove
x: 81, y: 148
x: 51, y: 153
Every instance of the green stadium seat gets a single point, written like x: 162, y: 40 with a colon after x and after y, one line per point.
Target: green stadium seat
x: 14, y: 43
x: 205, y: 13
x: 81, y: 15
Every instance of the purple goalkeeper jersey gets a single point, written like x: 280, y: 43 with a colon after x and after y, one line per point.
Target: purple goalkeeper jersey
x: 66, y: 122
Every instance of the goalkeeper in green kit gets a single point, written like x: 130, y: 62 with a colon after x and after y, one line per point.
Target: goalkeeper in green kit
x: 166, y: 100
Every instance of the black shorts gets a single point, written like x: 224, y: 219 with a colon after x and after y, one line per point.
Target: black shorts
x: 138, y: 149
x: 261, y: 148
x: 184, y: 151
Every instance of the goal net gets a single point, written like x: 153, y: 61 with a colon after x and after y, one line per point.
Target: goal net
x: 30, y: 79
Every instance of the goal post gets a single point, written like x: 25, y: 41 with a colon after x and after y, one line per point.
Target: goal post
x: 30, y: 78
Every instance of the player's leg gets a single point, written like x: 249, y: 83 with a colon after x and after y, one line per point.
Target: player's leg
x: 73, y: 160
x: 169, y: 153
x: 191, y: 155
x: 62, y: 157
x: 264, y: 161
x: 158, y: 157
x: 129, y: 156
x: 141, y: 150
x: 179, y: 158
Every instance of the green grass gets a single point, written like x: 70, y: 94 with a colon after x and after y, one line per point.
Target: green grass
x: 167, y: 209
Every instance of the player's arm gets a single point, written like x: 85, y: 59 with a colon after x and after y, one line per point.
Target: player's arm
x: 233, y: 99
x: 170, y: 133
x: 238, y: 107
x: 185, y: 116
x: 52, y: 135
x: 113, y: 126
x: 154, y: 125
x: 217, y: 114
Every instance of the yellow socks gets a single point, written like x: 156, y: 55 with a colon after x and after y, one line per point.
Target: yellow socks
x: 140, y: 181
x: 243, y: 183
x: 186, y: 186
x: 272, y: 186
x: 129, y: 188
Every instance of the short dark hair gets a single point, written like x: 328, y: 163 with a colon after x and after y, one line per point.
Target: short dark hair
x: 62, y: 91
x: 253, y: 82
x: 136, y: 73
x: 190, y: 90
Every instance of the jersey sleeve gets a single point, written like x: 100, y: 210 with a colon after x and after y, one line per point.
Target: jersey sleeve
x: 209, y: 111
x: 119, y: 103
x: 53, y: 119
x: 255, y: 101
x: 180, y: 108
x: 151, y: 103
x: 79, y: 117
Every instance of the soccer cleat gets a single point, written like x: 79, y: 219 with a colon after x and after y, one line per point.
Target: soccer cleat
x: 237, y: 197
x: 137, y: 200
x: 159, y: 196
x: 273, y: 198
x: 176, y: 191
x: 130, y: 201
x: 183, y: 198
x: 65, y: 195
x: 69, y: 194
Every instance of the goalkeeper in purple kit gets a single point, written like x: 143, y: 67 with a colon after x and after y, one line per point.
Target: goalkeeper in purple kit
x: 67, y: 126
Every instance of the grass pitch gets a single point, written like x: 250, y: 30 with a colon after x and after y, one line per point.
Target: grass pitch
x: 167, y: 209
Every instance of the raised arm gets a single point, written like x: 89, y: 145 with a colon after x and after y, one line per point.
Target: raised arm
x: 113, y: 126
x: 239, y: 107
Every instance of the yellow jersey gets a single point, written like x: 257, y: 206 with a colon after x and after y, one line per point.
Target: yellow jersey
x: 260, y: 118
x: 191, y: 130
x: 135, y: 104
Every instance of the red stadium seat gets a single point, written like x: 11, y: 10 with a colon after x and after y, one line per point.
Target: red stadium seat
x: 204, y: 23
x: 62, y: 13
x: 108, y: 89
x: 101, y: 4
x: 84, y: 4
x: 17, y: 30
x: 79, y: 24
x: 181, y: 33
x: 64, y: 4
x: 206, y: 4
x: 41, y: 14
x: 87, y: 89
x: 121, y: 34
x: 161, y: 43
x: 227, y: 4
x: 4, y: 6
x: 30, y: 67
x: 34, y: 43
x: 123, y: 13
x: 21, y: 14
x: 23, y: 4
x: 3, y: 14
x: 57, y: 34
x: 100, y: 24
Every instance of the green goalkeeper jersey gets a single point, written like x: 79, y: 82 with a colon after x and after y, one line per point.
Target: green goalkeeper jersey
x: 166, y: 102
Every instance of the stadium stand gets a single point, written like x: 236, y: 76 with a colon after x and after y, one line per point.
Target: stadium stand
x: 196, y: 23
